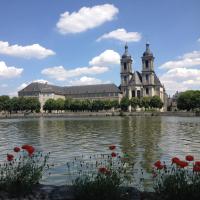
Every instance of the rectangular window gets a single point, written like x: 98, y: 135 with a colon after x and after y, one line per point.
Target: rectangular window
x: 133, y: 93
x: 125, y: 67
x: 147, y: 90
x: 147, y: 78
x: 138, y: 93
x: 147, y: 63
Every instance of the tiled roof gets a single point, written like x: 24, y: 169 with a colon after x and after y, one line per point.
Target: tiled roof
x: 46, y: 88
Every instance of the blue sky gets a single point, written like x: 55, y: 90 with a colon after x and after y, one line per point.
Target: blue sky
x: 76, y: 42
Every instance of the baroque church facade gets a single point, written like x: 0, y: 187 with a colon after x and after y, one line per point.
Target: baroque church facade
x: 133, y: 84
x: 140, y: 84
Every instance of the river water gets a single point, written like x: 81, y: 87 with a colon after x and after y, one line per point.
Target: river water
x: 145, y: 139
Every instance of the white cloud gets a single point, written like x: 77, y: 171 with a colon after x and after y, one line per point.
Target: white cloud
x: 60, y: 73
x: 108, y: 57
x: 187, y: 60
x: 85, y: 80
x: 29, y: 51
x: 23, y: 85
x: 4, y: 85
x: 86, y: 18
x: 122, y: 35
x: 181, y: 79
x: 9, y: 71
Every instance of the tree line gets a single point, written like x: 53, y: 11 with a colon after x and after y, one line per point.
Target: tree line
x: 79, y: 105
x: 143, y: 102
x: 16, y: 104
x: 32, y: 104
x: 189, y: 100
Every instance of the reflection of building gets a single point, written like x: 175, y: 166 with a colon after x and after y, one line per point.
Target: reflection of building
x: 44, y: 91
x: 133, y: 84
x: 136, y: 84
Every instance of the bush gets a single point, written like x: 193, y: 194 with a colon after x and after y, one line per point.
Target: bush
x: 179, y: 181
x: 100, y: 176
x: 22, y: 171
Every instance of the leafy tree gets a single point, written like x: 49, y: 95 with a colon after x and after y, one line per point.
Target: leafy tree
x: 67, y: 105
x: 59, y: 104
x: 115, y: 104
x: 145, y: 102
x: 156, y: 102
x: 4, y: 100
x: 189, y: 100
x: 125, y: 102
x: 134, y: 102
x: 49, y: 105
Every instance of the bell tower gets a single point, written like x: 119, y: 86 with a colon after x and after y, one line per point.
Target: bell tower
x: 126, y: 72
x: 148, y: 73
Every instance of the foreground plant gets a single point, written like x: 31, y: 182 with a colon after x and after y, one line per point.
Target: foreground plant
x: 23, y: 169
x: 101, y: 176
x: 179, y: 181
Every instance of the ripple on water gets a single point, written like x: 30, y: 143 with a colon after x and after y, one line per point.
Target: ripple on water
x: 146, y: 139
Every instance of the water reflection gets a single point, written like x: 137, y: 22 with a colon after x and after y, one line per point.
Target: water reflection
x: 145, y: 139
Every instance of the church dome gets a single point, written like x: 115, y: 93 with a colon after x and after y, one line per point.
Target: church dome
x: 147, y: 51
x: 126, y: 54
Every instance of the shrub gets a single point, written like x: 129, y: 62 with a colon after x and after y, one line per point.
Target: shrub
x: 101, y: 176
x: 179, y: 181
x: 22, y: 170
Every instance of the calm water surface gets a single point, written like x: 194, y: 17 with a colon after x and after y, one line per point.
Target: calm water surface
x: 146, y: 139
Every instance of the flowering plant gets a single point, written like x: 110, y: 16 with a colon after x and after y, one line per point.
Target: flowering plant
x: 100, y: 176
x: 23, y: 169
x: 180, y: 180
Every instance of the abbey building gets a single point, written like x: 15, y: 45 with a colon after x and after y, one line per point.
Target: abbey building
x: 133, y: 84
x: 140, y: 84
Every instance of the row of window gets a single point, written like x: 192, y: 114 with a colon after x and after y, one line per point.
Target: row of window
x: 113, y: 94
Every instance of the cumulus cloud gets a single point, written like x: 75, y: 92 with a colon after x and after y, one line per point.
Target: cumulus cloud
x: 181, y: 79
x: 108, y: 57
x: 85, y: 80
x: 61, y: 74
x: 23, y: 85
x: 86, y: 18
x: 9, y: 71
x: 187, y: 60
x: 122, y: 35
x: 29, y: 51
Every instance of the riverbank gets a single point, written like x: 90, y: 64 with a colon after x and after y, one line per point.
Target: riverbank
x: 51, y: 192
x: 98, y: 114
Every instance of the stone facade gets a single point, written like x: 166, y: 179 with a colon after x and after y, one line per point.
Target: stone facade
x: 133, y: 84
x: 144, y: 83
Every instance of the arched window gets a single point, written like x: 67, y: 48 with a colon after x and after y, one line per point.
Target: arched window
x: 125, y: 67
x: 146, y: 63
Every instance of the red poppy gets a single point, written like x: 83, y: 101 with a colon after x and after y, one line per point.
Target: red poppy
x: 160, y: 166
x: 197, y: 163
x: 113, y: 154
x: 182, y: 164
x: 189, y: 158
x: 10, y: 157
x: 112, y: 147
x: 175, y: 160
x: 196, y: 168
x: 157, y: 163
x: 30, y: 149
x: 16, y: 149
x: 102, y: 170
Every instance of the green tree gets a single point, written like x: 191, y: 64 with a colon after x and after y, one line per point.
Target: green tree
x: 145, y: 102
x: 125, y: 102
x: 50, y: 105
x: 67, y: 105
x: 134, y: 102
x: 59, y: 104
x: 156, y: 102
x: 4, y: 101
x: 189, y: 100
x: 32, y: 104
